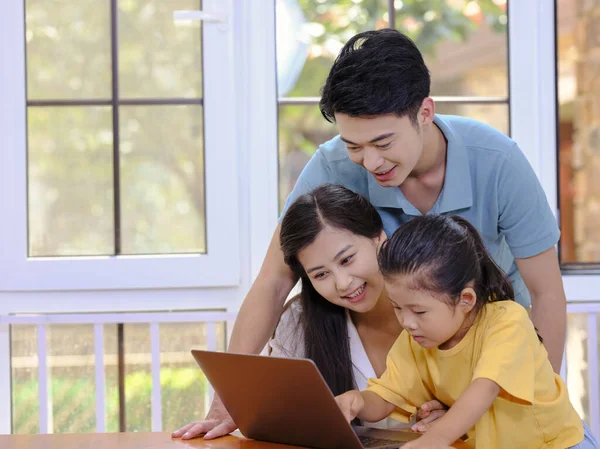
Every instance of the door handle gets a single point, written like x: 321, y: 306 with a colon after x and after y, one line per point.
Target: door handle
x: 202, y: 16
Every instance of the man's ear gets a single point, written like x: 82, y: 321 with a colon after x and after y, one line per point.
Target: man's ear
x: 427, y: 111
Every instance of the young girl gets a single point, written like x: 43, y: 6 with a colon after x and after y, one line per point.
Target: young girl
x: 466, y: 344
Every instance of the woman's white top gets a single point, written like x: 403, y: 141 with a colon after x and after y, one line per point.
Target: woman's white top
x: 288, y: 342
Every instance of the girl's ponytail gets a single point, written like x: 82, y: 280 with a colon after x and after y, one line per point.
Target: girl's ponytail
x: 494, y: 284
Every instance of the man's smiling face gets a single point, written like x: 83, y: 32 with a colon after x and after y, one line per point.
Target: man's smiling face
x: 389, y: 147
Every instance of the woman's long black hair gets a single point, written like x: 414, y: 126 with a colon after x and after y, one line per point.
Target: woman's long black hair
x: 326, y: 338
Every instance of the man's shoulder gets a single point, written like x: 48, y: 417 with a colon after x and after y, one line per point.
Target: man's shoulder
x: 334, y: 151
x: 480, y: 139
x: 331, y: 164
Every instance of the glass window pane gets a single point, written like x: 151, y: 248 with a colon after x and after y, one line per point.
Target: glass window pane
x: 68, y: 49
x: 578, y: 43
x: 302, y: 129
x: 71, y: 378
x: 138, y: 378
x: 24, y: 378
x: 162, y: 179
x: 159, y: 57
x: 184, y: 387
x: 577, y: 363
x: 70, y: 181
x: 464, y: 44
x: 71, y: 370
x: 310, y: 34
x: 495, y: 115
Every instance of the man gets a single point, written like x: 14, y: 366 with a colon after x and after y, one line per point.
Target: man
x: 407, y: 161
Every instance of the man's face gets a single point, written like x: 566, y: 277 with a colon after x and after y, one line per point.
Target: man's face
x: 388, y: 146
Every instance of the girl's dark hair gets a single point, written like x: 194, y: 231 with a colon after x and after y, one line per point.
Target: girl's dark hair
x: 377, y: 72
x: 445, y: 254
x: 325, y: 329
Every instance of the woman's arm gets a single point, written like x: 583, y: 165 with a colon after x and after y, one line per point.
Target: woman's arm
x: 461, y: 417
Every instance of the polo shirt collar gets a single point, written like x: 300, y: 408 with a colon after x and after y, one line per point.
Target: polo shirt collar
x: 457, y: 191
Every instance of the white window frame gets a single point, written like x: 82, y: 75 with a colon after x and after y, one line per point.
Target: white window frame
x: 252, y: 116
x: 533, y: 110
x: 219, y: 267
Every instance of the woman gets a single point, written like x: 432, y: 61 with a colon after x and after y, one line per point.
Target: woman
x: 342, y: 319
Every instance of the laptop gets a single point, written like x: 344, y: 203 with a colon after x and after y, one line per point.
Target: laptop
x: 287, y: 401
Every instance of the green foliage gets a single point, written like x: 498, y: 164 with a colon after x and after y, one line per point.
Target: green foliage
x: 74, y: 404
x: 427, y: 22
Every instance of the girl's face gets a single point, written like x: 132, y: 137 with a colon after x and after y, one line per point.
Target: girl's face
x: 343, y: 268
x: 428, y: 317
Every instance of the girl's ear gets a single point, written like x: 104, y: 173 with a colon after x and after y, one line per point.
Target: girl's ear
x: 467, y: 299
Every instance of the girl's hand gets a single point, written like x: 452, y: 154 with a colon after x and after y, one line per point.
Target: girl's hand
x: 350, y: 403
x: 427, y: 441
x: 218, y: 422
x: 427, y: 414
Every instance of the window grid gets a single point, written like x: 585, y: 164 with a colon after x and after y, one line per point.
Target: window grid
x: 114, y: 54
x: 116, y: 102
x: 446, y: 100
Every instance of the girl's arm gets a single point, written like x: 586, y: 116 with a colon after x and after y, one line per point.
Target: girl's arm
x: 365, y: 405
x: 462, y: 416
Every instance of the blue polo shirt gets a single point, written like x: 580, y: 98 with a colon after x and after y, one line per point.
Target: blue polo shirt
x: 488, y: 181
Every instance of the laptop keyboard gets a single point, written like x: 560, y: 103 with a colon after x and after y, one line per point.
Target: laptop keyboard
x: 371, y: 442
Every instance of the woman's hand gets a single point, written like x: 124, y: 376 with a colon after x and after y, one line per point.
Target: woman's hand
x: 427, y: 414
x: 218, y: 422
x: 351, y: 403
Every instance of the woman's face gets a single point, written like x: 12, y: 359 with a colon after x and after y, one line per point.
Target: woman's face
x: 343, y: 268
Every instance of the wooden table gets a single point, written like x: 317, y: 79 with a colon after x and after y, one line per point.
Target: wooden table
x: 132, y: 440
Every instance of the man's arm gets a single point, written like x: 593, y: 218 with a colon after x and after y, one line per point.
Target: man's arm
x: 526, y: 220
x: 262, y: 306
x: 543, y: 279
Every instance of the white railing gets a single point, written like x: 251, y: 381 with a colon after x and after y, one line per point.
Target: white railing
x: 154, y: 319
x: 591, y: 384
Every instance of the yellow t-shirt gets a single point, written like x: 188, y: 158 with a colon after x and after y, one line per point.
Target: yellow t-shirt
x: 532, y: 410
